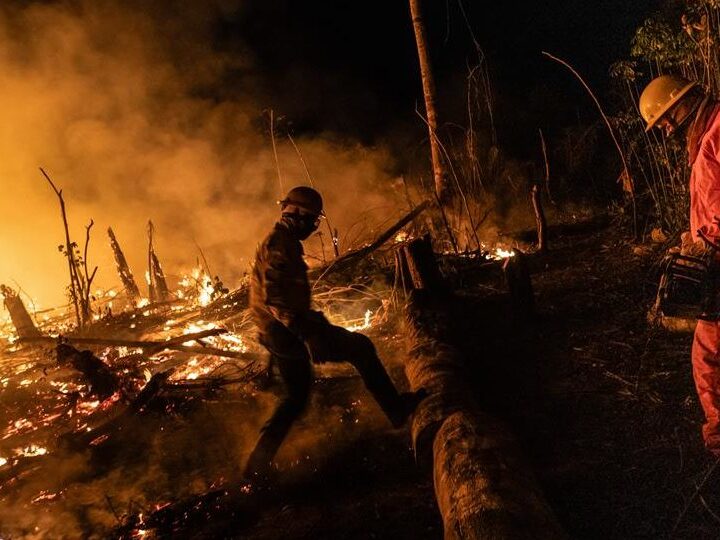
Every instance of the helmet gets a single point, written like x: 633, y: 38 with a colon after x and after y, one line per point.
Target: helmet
x: 660, y: 95
x: 306, y: 198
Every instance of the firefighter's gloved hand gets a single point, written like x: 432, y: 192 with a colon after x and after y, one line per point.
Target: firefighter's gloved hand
x: 318, y: 348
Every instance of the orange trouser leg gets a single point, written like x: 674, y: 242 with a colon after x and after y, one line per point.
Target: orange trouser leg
x: 706, y: 372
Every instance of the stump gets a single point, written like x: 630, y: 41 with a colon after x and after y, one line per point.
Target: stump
x: 24, y: 325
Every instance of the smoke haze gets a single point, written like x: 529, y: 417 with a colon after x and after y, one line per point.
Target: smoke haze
x: 138, y: 114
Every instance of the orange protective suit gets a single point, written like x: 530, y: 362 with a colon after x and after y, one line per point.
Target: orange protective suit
x: 704, y: 208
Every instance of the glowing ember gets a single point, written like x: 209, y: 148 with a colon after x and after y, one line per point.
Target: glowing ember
x: 3, y: 461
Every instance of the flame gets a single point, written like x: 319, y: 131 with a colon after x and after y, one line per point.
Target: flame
x: 197, y: 287
x: 228, y: 340
x: 364, y: 324
x: 31, y: 451
x: 501, y: 253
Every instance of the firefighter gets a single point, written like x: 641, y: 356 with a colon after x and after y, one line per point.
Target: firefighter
x: 296, y: 336
x: 680, y: 108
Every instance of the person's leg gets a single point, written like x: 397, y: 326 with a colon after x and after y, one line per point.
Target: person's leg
x: 296, y: 373
x: 706, y: 372
x: 359, y: 351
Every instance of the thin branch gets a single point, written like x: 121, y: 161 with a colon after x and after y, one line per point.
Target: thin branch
x: 626, y: 170
x: 277, y: 162
x: 74, y: 281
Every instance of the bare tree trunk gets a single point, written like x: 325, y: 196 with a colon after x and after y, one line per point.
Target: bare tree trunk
x: 540, y: 221
x: 128, y: 281
x: 428, y: 83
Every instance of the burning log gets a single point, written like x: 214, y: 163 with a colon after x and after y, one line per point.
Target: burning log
x: 483, y: 486
x: 126, y: 276
x: 79, y: 440
x: 24, y: 325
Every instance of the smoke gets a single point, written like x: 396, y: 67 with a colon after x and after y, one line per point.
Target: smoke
x: 138, y: 110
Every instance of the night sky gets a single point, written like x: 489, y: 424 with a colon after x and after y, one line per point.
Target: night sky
x: 351, y: 67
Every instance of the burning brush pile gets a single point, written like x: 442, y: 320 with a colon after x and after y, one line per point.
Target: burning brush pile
x: 117, y: 406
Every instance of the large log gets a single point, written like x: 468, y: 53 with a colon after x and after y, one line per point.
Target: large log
x: 484, y: 487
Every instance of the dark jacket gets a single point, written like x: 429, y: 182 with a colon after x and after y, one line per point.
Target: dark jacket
x: 279, y: 287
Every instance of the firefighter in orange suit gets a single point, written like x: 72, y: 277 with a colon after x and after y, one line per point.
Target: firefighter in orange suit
x: 679, y: 106
x: 297, y: 336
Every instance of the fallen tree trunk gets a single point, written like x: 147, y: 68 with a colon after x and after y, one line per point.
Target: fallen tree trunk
x: 483, y: 486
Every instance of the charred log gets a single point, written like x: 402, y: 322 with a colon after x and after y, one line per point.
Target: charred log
x: 126, y: 276
x: 24, y: 325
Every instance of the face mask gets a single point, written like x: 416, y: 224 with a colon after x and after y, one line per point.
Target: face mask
x: 302, y: 225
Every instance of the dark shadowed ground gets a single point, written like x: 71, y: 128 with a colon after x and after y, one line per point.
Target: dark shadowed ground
x: 605, y: 406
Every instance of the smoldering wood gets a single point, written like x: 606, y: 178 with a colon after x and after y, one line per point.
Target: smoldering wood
x: 24, y: 325
x: 123, y: 269
x: 79, y: 440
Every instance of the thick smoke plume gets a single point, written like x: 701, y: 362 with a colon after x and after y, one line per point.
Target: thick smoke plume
x: 138, y: 112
